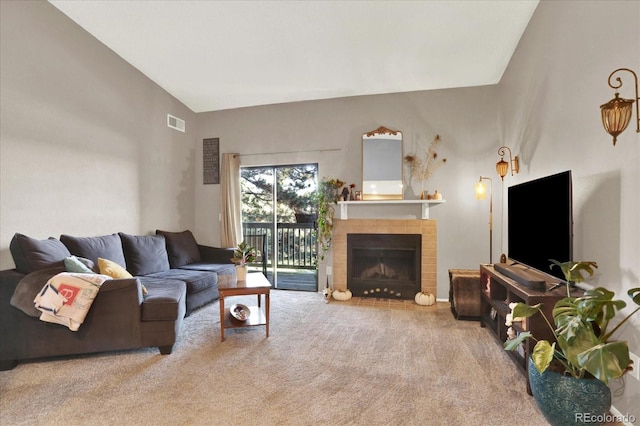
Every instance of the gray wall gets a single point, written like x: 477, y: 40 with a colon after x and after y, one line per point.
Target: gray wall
x: 550, y: 98
x: 84, y: 146
x: 465, y: 119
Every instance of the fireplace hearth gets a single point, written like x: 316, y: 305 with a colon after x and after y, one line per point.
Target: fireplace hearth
x: 384, y: 265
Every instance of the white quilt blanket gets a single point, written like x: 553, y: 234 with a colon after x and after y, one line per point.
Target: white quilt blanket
x: 66, y: 298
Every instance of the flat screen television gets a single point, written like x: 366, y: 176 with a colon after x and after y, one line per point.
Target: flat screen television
x: 540, y: 222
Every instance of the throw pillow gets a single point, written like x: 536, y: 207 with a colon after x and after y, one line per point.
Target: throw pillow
x: 30, y: 254
x: 115, y: 271
x: 111, y: 268
x: 105, y: 246
x: 182, y: 247
x: 145, y: 254
x: 79, y: 265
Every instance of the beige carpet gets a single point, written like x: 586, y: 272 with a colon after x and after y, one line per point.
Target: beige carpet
x: 340, y: 363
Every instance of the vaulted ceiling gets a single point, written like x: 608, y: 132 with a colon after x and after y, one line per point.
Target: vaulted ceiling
x: 215, y: 55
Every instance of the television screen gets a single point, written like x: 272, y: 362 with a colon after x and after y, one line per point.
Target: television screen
x: 540, y: 222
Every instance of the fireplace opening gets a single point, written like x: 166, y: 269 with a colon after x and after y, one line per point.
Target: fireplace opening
x: 384, y: 265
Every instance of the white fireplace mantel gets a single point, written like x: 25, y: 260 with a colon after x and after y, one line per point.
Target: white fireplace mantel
x: 424, y: 205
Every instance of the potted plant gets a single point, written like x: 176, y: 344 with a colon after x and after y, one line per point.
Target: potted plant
x: 305, y: 215
x: 326, y: 198
x: 242, y: 255
x: 584, y: 357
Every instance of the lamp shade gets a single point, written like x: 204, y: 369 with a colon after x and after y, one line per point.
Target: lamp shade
x: 616, y: 115
x: 481, y: 190
x: 502, y: 167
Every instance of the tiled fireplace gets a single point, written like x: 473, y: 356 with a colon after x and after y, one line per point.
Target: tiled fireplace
x: 426, y: 229
x: 384, y: 265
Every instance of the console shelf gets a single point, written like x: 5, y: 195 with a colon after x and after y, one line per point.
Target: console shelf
x: 497, y: 291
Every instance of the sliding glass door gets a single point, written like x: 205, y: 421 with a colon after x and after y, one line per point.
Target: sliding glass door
x: 278, y: 219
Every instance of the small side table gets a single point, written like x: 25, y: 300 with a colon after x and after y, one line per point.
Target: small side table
x: 256, y: 283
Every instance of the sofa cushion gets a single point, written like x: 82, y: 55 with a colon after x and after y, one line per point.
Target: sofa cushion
x: 182, y: 247
x: 30, y: 254
x: 145, y: 254
x: 105, y: 246
x: 163, y: 300
x: 196, y: 280
x: 79, y: 265
x: 218, y: 268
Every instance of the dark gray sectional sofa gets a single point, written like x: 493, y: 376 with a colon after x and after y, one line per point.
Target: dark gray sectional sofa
x: 178, y: 275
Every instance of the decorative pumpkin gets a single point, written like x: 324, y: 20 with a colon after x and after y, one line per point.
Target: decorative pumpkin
x: 342, y: 294
x: 425, y: 299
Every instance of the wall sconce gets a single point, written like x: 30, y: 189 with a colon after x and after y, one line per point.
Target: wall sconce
x: 617, y: 112
x: 481, y: 194
x: 502, y: 166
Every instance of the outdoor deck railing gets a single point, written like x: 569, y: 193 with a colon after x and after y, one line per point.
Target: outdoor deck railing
x: 296, y: 243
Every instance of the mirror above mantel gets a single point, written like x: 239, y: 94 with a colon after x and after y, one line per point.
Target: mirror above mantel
x: 382, y: 164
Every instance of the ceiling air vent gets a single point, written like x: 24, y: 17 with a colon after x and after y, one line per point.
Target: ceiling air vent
x: 175, y: 123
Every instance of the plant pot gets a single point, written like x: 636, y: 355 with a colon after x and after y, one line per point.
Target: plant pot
x: 241, y: 272
x: 306, y: 217
x: 565, y: 400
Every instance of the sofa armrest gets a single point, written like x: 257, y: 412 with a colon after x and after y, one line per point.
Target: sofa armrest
x: 216, y: 255
x: 10, y: 277
x: 125, y: 286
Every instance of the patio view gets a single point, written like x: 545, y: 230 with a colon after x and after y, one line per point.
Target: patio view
x: 278, y: 219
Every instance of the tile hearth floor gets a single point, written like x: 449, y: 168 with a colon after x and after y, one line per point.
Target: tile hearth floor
x: 399, y: 304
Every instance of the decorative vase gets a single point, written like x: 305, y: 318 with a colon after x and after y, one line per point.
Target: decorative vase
x: 241, y: 272
x: 566, y: 400
x: 327, y: 292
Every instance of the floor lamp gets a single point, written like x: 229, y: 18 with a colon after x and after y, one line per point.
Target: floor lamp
x: 481, y: 194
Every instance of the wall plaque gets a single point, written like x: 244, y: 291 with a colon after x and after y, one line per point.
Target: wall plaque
x: 211, y: 160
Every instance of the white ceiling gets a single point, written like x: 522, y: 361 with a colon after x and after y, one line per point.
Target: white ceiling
x: 214, y: 55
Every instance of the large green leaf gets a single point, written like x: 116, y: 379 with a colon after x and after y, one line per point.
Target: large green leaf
x: 542, y: 355
x: 566, y: 317
x: 525, y: 311
x: 598, y: 305
x: 572, y: 271
x: 512, y: 344
x: 606, y: 361
x: 583, y: 340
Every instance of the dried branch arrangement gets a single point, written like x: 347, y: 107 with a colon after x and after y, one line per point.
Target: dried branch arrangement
x: 423, y: 168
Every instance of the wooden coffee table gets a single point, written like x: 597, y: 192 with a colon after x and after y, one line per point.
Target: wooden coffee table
x: 256, y: 283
